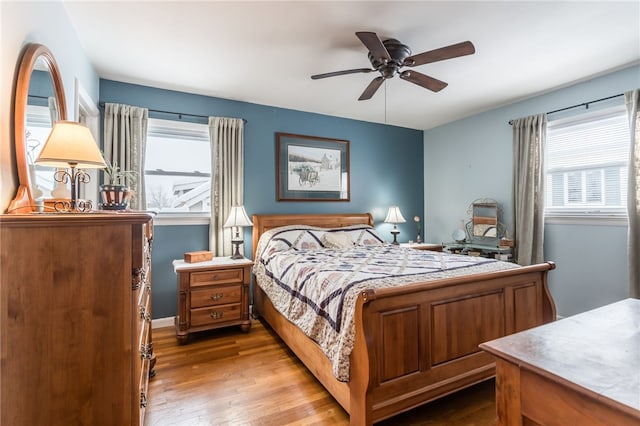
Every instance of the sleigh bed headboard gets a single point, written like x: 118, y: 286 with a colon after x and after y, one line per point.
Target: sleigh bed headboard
x: 264, y: 222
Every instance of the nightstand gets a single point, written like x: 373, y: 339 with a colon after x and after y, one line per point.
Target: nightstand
x: 212, y: 294
x: 423, y: 246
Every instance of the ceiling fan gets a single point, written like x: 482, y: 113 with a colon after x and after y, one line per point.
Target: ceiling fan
x: 389, y: 56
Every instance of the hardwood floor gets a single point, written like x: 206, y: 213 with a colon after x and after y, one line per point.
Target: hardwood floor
x: 226, y: 377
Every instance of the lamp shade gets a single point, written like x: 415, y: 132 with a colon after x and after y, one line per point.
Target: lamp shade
x: 71, y: 143
x: 237, y: 217
x: 394, y: 215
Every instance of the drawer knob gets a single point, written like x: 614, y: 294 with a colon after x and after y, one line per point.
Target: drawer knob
x: 146, y: 351
x: 144, y: 315
x: 216, y: 315
x: 216, y: 296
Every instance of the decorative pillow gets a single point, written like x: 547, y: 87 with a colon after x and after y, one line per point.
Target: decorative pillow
x: 308, y: 240
x: 365, y: 236
x: 337, y: 240
x: 304, y: 237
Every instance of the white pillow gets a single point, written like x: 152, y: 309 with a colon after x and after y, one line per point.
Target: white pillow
x: 337, y: 240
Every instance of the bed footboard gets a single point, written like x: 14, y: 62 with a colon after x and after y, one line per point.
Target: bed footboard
x: 420, y: 342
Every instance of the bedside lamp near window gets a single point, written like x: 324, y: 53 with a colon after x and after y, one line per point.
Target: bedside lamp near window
x: 237, y: 219
x: 394, y: 216
x: 71, y: 145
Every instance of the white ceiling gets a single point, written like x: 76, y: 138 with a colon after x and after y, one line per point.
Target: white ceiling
x: 264, y: 52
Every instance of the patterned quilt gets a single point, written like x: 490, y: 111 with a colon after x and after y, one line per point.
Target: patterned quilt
x: 313, y: 277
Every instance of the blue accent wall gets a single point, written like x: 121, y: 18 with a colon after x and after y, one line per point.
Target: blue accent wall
x: 386, y: 168
x: 169, y: 243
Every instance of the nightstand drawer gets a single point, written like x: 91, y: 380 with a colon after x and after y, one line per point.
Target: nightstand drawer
x: 223, y: 313
x: 218, y: 276
x: 218, y: 295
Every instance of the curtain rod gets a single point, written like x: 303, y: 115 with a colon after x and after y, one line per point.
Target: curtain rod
x: 179, y: 114
x: 584, y: 104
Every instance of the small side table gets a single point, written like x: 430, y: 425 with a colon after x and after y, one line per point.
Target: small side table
x: 423, y: 246
x: 212, y: 294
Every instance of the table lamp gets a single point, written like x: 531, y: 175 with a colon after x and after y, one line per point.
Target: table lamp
x: 394, y: 216
x: 71, y: 145
x: 237, y: 219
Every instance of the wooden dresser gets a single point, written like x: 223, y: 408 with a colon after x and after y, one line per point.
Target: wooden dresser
x: 75, y: 297
x: 581, y: 370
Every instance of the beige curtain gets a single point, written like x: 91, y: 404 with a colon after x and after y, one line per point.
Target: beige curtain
x: 529, y: 135
x: 632, y: 100
x: 125, y: 139
x: 227, y: 181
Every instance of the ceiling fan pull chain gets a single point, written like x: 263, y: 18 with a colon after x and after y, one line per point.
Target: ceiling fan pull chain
x: 385, y: 101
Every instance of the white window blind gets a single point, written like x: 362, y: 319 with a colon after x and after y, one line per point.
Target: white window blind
x: 586, y: 164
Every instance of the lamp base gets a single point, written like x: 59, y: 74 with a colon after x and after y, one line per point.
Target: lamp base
x: 395, y: 233
x: 236, y: 253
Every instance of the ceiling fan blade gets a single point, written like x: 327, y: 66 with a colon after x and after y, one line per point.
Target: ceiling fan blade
x: 371, y: 88
x: 335, y: 73
x: 425, y: 81
x: 447, y: 52
x: 373, y: 43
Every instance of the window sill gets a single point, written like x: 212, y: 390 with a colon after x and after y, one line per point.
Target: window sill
x: 591, y: 220
x: 173, y: 219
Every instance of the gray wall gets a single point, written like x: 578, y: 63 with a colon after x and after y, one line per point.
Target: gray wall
x: 472, y: 158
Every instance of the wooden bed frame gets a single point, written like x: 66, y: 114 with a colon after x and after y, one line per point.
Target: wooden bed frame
x: 418, y: 342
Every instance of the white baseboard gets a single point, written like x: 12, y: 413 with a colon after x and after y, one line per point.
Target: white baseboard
x: 162, y: 322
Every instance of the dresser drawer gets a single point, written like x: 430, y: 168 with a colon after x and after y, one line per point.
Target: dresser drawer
x: 145, y: 347
x: 217, y: 295
x: 143, y: 387
x: 218, y: 276
x: 144, y: 303
x: 223, y: 313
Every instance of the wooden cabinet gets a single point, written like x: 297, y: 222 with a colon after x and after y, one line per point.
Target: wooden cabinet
x: 75, y: 302
x: 212, y: 294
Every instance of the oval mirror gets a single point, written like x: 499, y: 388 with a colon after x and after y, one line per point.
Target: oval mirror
x: 39, y: 102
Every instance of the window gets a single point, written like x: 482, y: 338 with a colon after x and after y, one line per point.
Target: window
x: 38, y: 126
x: 178, y: 167
x: 586, y: 164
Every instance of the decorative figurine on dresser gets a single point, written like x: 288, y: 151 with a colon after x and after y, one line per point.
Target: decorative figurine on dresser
x: 76, y: 318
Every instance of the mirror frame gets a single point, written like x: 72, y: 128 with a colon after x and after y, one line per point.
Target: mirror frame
x: 23, y: 201
x: 487, y: 203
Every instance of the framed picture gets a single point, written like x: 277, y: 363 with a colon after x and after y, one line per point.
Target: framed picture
x: 310, y: 168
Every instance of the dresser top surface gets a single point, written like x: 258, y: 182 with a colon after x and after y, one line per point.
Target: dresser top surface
x: 598, y: 350
x: 36, y: 219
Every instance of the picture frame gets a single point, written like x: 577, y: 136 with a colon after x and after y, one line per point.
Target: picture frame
x: 311, y: 168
